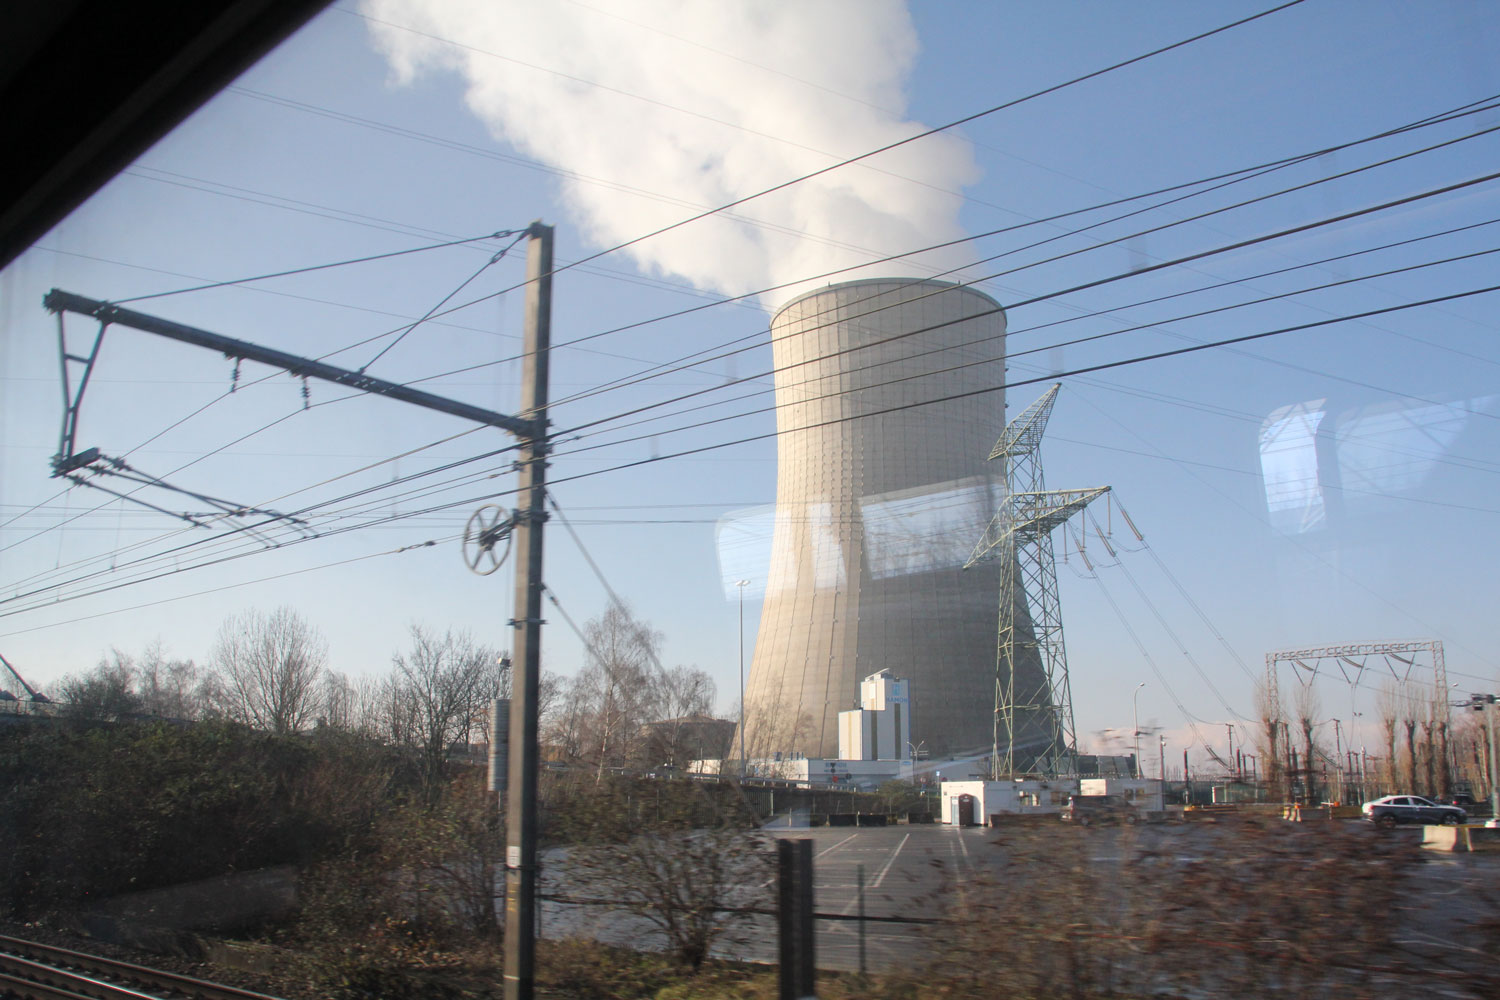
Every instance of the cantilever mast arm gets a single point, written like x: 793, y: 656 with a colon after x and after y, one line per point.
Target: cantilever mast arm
x: 31, y: 691
x: 59, y: 301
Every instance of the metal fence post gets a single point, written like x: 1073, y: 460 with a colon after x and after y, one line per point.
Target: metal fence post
x: 863, y: 967
x: 794, y: 918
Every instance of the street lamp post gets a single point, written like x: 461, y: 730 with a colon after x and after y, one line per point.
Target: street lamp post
x: 1162, y: 767
x: 1135, y: 701
x: 740, y: 585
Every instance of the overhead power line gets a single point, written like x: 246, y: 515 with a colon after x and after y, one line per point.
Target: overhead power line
x: 1139, y: 359
x: 502, y: 234
x: 660, y: 370
x: 934, y: 131
x: 1009, y: 356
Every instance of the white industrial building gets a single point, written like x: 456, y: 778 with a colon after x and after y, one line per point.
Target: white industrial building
x: 972, y: 803
x: 880, y: 729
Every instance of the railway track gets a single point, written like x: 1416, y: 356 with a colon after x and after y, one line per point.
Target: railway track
x: 44, y: 972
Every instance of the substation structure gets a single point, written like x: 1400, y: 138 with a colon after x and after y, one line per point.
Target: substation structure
x: 1352, y: 661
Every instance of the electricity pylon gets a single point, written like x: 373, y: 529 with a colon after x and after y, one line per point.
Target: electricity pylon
x: 1033, y: 707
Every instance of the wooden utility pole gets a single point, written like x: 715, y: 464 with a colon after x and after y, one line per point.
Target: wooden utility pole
x: 531, y: 499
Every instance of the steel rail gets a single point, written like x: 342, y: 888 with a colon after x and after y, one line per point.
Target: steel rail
x: 62, y: 974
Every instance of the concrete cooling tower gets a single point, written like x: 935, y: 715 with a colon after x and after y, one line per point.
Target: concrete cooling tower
x: 879, y: 501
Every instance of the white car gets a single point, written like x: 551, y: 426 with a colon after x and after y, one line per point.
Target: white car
x: 1393, y: 809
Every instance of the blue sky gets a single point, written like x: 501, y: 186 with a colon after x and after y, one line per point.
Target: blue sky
x: 1381, y: 511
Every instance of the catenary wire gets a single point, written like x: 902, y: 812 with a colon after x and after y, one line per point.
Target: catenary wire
x: 231, y: 443
x: 1099, y: 367
x: 495, y: 259
x: 319, y: 267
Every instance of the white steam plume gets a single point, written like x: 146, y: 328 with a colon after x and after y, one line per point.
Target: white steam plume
x: 662, y: 108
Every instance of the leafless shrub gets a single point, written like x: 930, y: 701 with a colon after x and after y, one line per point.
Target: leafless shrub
x: 651, y: 857
x: 1249, y: 909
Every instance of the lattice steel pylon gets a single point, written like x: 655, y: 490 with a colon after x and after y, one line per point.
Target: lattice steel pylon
x: 1033, y: 700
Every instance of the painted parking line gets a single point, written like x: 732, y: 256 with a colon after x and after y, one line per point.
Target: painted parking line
x: 881, y: 877
x: 826, y: 850
x: 829, y: 850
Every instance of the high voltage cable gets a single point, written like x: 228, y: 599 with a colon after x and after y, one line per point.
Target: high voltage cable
x: 842, y: 319
x: 1440, y: 118
x: 1104, y: 71
x: 1143, y: 270
x: 1253, y: 277
x: 830, y: 356
x: 255, y: 382
x: 319, y: 267
x: 1156, y: 299
x: 1187, y: 716
x: 1008, y: 357
x: 1399, y: 608
x: 986, y: 390
x: 372, y: 489
x: 1159, y: 355
x: 1200, y: 255
x: 1166, y: 626
x: 1257, y: 170
x: 582, y: 261
x: 913, y: 138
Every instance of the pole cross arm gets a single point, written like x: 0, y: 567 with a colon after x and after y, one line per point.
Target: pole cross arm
x: 1032, y: 515
x: 60, y: 301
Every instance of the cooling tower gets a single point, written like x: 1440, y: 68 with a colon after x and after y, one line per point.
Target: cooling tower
x: 879, y: 501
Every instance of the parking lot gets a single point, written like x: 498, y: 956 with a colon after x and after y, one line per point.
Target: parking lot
x: 911, y: 873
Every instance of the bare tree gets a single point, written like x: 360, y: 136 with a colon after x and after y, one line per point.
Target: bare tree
x: 1411, y: 708
x: 773, y: 727
x: 1268, y: 737
x: 438, y: 692
x: 1388, y: 707
x: 684, y: 698
x: 169, y: 688
x: 346, y: 704
x: 271, y: 666
x: 616, y: 692
x: 695, y: 884
x: 1307, y: 706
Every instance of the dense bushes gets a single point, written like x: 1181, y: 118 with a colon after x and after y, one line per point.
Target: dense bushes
x: 95, y: 810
